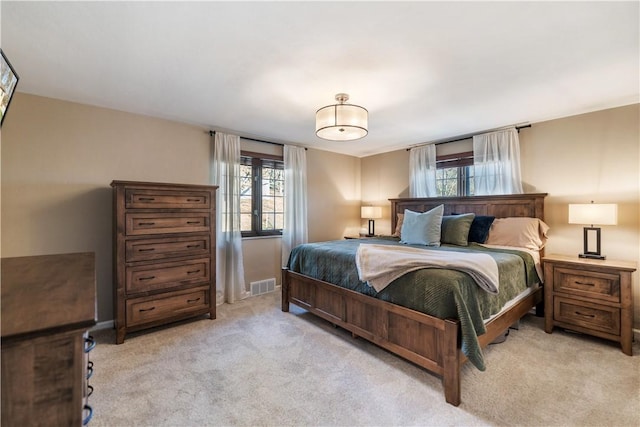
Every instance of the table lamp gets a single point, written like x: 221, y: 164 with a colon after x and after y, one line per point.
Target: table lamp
x: 371, y: 213
x: 593, y: 214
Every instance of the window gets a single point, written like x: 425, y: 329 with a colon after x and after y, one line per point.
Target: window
x: 454, y: 174
x: 261, y: 194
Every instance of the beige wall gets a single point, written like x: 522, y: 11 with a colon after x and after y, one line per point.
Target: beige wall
x: 333, y: 183
x: 385, y: 176
x: 58, y: 159
x: 576, y: 159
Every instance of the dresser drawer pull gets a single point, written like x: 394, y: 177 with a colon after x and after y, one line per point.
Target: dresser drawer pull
x: 89, y: 390
x: 147, y: 309
x: 90, y: 369
x: 146, y: 278
x: 146, y: 199
x: 146, y: 223
x: 193, y: 246
x: 146, y: 250
x: 194, y: 200
x: 193, y: 300
x: 584, y: 283
x: 86, y: 420
x: 193, y: 222
x: 585, y: 315
x: 193, y: 271
x: 89, y: 344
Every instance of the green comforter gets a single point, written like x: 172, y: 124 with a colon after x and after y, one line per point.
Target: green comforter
x: 437, y: 292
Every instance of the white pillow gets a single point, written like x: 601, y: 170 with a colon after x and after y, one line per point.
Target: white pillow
x: 422, y: 228
x: 521, y: 232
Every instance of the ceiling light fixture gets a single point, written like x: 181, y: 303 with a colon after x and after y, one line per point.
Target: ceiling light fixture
x: 342, y: 122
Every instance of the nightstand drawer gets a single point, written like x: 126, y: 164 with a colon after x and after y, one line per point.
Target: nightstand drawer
x: 590, y: 284
x: 587, y: 315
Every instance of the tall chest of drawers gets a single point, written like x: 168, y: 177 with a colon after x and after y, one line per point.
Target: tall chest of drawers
x: 164, y: 263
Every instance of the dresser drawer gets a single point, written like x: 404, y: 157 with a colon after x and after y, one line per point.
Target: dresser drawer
x: 145, y: 278
x: 168, y: 247
x: 146, y: 310
x: 166, y: 199
x: 602, y: 286
x: 158, y: 223
x: 587, y: 315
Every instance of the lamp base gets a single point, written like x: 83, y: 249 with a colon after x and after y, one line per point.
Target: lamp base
x: 588, y: 250
x: 592, y: 256
x: 372, y: 228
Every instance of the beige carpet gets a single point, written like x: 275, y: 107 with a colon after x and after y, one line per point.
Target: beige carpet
x: 258, y: 366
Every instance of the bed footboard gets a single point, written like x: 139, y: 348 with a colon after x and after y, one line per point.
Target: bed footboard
x: 429, y: 342
x: 425, y: 340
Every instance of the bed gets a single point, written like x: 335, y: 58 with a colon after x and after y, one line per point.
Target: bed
x: 434, y: 343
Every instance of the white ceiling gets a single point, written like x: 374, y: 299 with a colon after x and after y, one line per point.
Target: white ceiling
x: 426, y: 71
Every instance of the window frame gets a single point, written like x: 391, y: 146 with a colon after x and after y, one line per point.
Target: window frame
x: 257, y: 161
x: 460, y: 161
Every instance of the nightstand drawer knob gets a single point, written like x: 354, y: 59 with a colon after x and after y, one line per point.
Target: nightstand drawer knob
x: 585, y: 315
x: 584, y: 283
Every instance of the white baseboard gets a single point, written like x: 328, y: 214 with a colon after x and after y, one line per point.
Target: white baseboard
x: 103, y: 325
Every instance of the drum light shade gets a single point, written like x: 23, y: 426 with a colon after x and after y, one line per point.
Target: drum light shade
x: 342, y: 122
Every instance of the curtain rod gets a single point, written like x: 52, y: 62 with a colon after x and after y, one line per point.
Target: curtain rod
x: 460, y: 138
x: 213, y: 132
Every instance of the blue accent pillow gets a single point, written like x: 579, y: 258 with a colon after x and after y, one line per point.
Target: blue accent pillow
x: 480, y: 226
x: 422, y: 228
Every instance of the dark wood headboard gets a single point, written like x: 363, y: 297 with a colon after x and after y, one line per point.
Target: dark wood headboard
x: 530, y: 205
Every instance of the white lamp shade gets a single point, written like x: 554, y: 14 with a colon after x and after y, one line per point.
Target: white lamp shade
x: 371, y: 212
x: 342, y: 122
x: 593, y: 213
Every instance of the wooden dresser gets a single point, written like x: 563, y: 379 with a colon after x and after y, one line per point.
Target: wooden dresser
x: 164, y: 264
x: 590, y: 296
x: 48, y: 303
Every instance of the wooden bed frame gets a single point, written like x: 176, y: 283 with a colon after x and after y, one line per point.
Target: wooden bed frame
x: 430, y: 342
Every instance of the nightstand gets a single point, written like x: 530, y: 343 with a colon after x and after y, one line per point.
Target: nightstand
x: 589, y: 296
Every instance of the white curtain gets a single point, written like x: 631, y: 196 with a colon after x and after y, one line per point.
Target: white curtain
x: 422, y: 171
x: 496, y: 160
x: 225, y: 173
x: 295, y: 200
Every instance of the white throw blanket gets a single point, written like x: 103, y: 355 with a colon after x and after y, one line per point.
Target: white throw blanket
x: 380, y: 265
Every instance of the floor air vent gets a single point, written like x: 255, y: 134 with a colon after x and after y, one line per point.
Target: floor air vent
x: 263, y: 286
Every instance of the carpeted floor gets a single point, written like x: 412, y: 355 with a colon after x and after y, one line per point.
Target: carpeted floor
x: 257, y: 366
